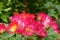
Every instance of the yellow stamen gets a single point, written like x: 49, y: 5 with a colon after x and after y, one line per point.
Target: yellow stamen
x: 13, y: 29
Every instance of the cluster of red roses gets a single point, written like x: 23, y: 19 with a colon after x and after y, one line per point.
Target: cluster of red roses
x: 29, y: 24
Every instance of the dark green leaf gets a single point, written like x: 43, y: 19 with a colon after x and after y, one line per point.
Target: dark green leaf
x: 4, y: 18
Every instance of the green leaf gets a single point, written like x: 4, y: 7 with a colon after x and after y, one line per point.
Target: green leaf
x: 4, y: 18
x: 56, y: 16
x: 50, y: 38
x: 36, y: 4
x: 50, y: 32
x: 34, y: 37
x: 1, y: 5
x: 7, y: 9
x: 18, y: 37
x: 51, y: 35
x: 6, y: 35
x: 58, y: 36
x: 9, y: 2
x: 4, y: 39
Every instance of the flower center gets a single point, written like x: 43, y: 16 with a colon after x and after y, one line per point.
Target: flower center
x: 13, y: 29
x: 27, y: 29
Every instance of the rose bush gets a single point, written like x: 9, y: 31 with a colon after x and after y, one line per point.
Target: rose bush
x: 29, y: 19
x: 26, y: 26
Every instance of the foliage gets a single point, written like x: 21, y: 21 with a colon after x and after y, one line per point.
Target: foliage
x: 7, y: 7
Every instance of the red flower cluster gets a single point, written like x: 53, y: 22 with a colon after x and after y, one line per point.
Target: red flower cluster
x: 25, y: 24
x: 47, y: 21
x: 2, y: 28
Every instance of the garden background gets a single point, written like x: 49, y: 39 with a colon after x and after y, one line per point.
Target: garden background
x: 7, y: 7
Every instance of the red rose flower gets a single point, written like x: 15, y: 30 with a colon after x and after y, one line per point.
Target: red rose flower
x: 54, y: 26
x: 41, y: 16
x: 40, y: 29
x: 44, y: 18
x: 12, y: 27
x: 2, y: 28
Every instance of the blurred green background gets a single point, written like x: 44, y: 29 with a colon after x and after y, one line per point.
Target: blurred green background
x: 51, y: 7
